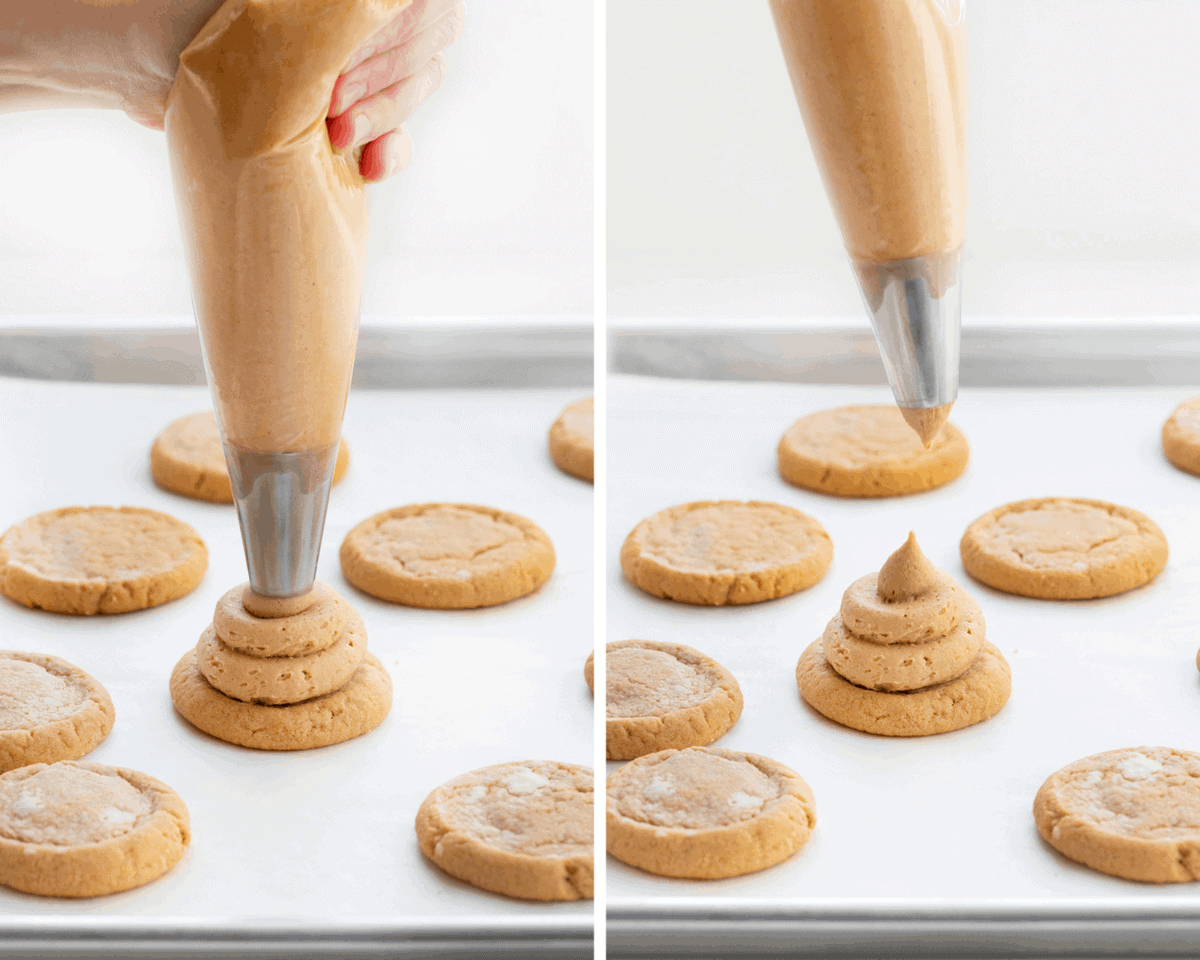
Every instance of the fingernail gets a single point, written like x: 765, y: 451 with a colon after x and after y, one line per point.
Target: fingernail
x: 362, y: 130
x: 350, y: 95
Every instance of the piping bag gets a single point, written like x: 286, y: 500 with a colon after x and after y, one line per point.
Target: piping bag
x: 274, y: 224
x: 882, y: 88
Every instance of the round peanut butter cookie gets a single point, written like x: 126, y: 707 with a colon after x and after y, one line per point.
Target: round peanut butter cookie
x: 87, y: 560
x: 79, y: 829
x: 356, y: 708
x: 447, y: 556
x: 1063, y: 548
x: 520, y: 829
x: 572, y: 438
x: 1181, y: 436
x: 706, y: 813
x: 868, y: 452
x: 660, y: 696
x: 970, y: 698
x: 49, y: 710
x: 187, y: 458
x: 726, y: 552
x: 1132, y: 813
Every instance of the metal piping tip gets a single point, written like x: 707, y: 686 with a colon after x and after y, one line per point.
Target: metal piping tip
x: 916, y: 310
x: 281, y: 500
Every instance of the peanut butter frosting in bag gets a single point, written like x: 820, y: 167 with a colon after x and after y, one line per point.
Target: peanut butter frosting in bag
x: 882, y: 87
x: 274, y: 219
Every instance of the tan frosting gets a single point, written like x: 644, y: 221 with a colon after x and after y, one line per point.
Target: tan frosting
x: 314, y: 626
x: 278, y: 680
x: 274, y: 220
x: 641, y: 682
x: 927, y: 421
x: 906, y: 666
x: 539, y: 808
x: 908, y: 627
x: 907, y: 573
x: 693, y: 789
x: 274, y: 608
x: 66, y: 805
x: 282, y: 659
x: 31, y: 696
x: 930, y: 615
x: 882, y: 87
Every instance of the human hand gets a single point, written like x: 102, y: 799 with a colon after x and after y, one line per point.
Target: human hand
x: 387, y: 79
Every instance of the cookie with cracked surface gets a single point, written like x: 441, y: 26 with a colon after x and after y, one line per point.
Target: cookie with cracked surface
x: 1063, y: 548
x: 660, y: 696
x: 447, y: 556
x: 1181, y: 436
x: 186, y: 458
x: 79, y: 829
x: 520, y: 829
x: 49, y: 710
x: 974, y: 696
x: 87, y: 560
x: 868, y: 451
x: 572, y: 440
x: 1132, y: 813
x: 706, y: 813
x: 356, y: 708
x: 726, y: 552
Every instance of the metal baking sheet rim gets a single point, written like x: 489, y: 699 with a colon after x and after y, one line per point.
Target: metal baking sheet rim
x: 450, y: 354
x: 1058, y: 352
x: 124, y: 937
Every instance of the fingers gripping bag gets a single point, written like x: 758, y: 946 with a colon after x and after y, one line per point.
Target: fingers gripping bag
x: 274, y: 223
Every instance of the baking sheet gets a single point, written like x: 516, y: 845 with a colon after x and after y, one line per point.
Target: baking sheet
x: 930, y: 841
x: 315, y: 851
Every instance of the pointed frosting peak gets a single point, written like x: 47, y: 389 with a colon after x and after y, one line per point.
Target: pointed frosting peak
x: 927, y: 423
x: 907, y: 573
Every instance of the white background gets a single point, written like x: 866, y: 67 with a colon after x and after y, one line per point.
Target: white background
x: 493, y: 215
x: 1083, y: 195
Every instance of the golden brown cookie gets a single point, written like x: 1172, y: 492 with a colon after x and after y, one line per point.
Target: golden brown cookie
x: 727, y: 551
x: 520, y: 829
x: 976, y: 695
x: 100, y: 560
x: 187, y: 458
x: 357, y: 708
x: 447, y: 556
x: 660, y: 696
x: 49, y: 710
x: 1181, y: 436
x: 1062, y: 548
x: 706, y: 813
x: 868, y: 452
x: 79, y: 829
x: 1132, y: 813
x: 589, y: 671
x: 571, y: 440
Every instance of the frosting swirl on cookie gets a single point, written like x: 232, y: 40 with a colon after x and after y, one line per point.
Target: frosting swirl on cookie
x: 906, y: 627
